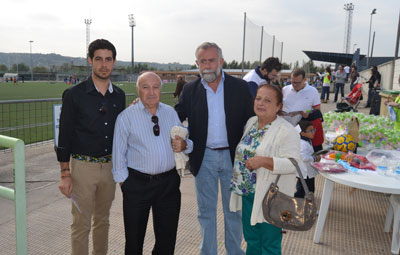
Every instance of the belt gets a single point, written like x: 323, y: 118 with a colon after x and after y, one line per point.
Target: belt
x: 147, y: 177
x: 103, y: 159
x: 219, y: 149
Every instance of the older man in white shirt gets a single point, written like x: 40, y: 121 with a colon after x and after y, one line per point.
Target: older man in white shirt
x: 144, y: 165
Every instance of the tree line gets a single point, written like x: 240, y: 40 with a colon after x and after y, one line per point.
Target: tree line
x: 70, y: 68
x: 308, y: 66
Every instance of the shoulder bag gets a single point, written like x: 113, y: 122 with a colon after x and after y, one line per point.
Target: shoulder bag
x: 288, y: 212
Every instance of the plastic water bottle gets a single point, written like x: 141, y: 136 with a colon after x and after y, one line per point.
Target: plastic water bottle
x: 397, y: 173
x: 382, y: 166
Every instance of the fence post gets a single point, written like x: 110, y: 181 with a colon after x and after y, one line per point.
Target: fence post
x: 18, y: 193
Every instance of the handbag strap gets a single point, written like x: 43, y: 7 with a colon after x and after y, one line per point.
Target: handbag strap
x: 294, y: 162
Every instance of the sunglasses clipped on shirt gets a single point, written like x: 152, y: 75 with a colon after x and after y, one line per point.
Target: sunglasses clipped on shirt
x: 103, y: 109
x: 156, y: 127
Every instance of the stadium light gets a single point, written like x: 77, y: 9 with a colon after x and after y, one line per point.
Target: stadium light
x: 132, y: 24
x: 87, y: 22
x: 369, y: 36
x: 30, y: 44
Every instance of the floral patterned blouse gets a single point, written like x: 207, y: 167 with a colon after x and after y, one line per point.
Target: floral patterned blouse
x: 244, y: 180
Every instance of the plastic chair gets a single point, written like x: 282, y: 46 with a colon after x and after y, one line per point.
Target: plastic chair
x: 394, y: 212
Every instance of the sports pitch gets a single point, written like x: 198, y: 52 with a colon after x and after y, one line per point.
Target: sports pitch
x: 40, y: 90
x: 33, y: 121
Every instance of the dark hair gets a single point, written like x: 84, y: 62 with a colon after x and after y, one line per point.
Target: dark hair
x: 271, y: 63
x: 328, y: 69
x: 101, y: 44
x: 298, y: 71
x: 304, y: 124
x: 278, y: 92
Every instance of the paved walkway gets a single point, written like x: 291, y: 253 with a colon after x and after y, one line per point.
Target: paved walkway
x: 354, y: 223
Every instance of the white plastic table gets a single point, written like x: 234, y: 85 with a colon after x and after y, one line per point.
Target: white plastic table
x: 366, y: 180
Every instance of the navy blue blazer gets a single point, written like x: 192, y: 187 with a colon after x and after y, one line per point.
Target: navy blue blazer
x: 193, y: 105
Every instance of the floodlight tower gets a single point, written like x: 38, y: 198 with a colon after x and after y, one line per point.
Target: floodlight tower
x: 132, y: 24
x: 369, y: 36
x: 87, y: 22
x: 30, y: 44
x: 348, y: 25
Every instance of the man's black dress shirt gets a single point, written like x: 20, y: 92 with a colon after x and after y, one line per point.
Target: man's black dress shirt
x: 87, y: 120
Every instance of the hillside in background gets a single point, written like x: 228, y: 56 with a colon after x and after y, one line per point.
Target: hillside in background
x: 49, y: 60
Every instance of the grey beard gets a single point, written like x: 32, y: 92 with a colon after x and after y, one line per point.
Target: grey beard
x: 210, y: 76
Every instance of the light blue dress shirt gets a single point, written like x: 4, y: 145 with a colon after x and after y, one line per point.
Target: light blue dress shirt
x: 217, y: 136
x: 136, y: 146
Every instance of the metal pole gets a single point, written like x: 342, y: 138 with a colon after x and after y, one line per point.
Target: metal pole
x: 244, y: 40
x: 30, y: 44
x: 133, y: 60
x: 261, y: 46
x: 20, y: 197
x: 369, y: 39
x: 396, y: 53
x: 273, y: 45
x: 17, y: 194
x: 87, y: 22
x: 132, y: 24
x: 369, y: 36
x: 281, y: 52
x: 372, y: 46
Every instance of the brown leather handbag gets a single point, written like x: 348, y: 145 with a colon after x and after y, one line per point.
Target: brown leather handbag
x: 288, y: 212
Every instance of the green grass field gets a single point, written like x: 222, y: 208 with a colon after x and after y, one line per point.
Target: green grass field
x: 39, y: 90
x: 33, y: 121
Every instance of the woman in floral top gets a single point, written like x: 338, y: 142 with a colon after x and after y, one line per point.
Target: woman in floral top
x: 262, y: 153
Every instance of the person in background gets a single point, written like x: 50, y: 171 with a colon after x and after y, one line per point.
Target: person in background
x: 217, y: 107
x: 180, y: 82
x: 347, y: 70
x: 88, y: 115
x: 267, y: 72
x: 373, y: 83
x: 396, y: 108
x: 263, y: 152
x: 340, y: 81
x: 326, y: 84
x: 354, y: 77
x: 144, y: 166
x: 307, y: 132
x: 301, y: 98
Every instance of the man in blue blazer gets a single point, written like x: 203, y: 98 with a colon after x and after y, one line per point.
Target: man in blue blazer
x: 217, y: 107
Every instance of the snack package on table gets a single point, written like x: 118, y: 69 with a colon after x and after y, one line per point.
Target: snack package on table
x: 335, y: 155
x: 330, y: 167
x: 354, y: 160
x: 359, y: 161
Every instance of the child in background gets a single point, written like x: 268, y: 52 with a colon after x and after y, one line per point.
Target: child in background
x: 307, y: 133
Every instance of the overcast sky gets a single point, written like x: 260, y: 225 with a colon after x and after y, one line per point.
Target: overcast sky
x: 170, y: 30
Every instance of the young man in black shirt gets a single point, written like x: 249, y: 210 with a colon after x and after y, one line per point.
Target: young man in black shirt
x: 88, y: 115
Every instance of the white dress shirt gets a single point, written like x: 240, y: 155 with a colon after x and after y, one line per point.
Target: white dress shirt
x: 136, y: 146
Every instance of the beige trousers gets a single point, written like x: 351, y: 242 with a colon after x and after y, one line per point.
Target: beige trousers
x: 93, y: 190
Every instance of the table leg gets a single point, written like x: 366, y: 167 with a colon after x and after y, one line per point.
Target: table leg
x: 323, y: 209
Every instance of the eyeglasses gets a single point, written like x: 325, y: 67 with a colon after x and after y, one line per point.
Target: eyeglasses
x: 311, y: 131
x: 156, y: 127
